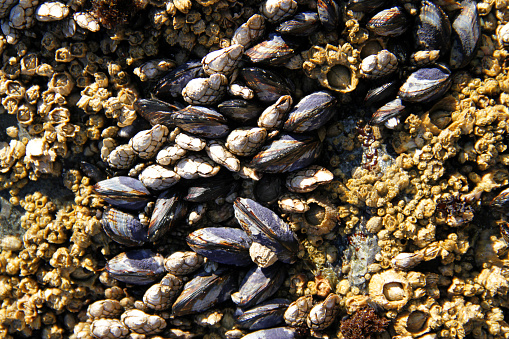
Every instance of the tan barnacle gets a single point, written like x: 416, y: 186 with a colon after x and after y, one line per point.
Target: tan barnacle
x: 13, y: 89
x: 493, y: 280
x: 413, y: 323
x: 154, y: 68
x: 308, y: 179
x: 217, y: 151
x: 292, y: 203
x: 10, y: 153
x: 143, y: 323
x: 245, y: 141
x: 183, y: 263
x: 161, y: 296
x: 249, y: 31
x: 40, y: 159
x: 107, y: 308
x: 319, y: 219
x: 61, y: 83
x: 25, y: 114
x: 122, y: 157
x: 378, y: 65
x: 195, y: 166
x: 147, y: 143
x: 108, y: 328
x: 170, y: 154
x: 205, y: 91
x: 295, y: 315
x: 390, y: 289
x: 51, y: 11
x: 223, y: 61
x: 157, y: 177
x: 323, y: 314
x: 336, y: 68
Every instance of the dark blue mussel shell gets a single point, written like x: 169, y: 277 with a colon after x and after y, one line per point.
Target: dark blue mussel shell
x: 290, y: 152
x: 302, y: 24
x: 123, y: 227
x: 204, y: 291
x: 207, y: 189
x: 156, y: 111
x: 426, y: 84
x: 273, y: 333
x: 240, y: 110
x: 200, y: 121
x: 266, y: 228
x: 258, y: 285
x: 172, y: 84
x: 169, y: 210
x: 329, y: 14
x: 274, y: 51
x: 433, y: 29
x: 267, y: 85
x: 265, y: 315
x: 138, y: 267
x: 224, y: 245
x: 123, y: 192
x: 311, y: 112
x: 466, y: 35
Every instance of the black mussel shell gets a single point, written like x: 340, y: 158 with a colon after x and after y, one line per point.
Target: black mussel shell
x: 392, y: 109
x: 365, y: 5
x: 267, y: 85
x: 123, y: 192
x: 265, y: 315
x: 172, y: 84
x: 266, y: 228
x: 274, y: 51
x: 276, y: 332
x: 201, y: 121
x: 258, y: 285
x: 290, y: 152
x: 123, y: 228
x: 268, y: 189
x: 92, y: 171
x: 311, y: 112
x: 433, y: 29
x: 389, y: 22
x: 208, y: 189
x: 426, y: 84
x: 466, y: 35
x: 225, y: 245
x: 501, y: 201
x: 240, y: 110
x: 156, y: 111
x: 382, y: 92
x: 138, y: 267
x: 168, y: 211
x: 302, y: 24
x: 204, y: 291
x: 329, y: 14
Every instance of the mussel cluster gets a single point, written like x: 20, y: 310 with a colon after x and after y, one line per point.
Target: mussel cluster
x: 244, y: 118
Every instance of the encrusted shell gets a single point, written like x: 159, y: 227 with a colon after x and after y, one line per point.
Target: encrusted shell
x: 390, y: 289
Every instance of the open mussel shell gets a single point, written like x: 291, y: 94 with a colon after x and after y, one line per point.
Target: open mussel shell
x: 138, y: 267
x: 155, y: 111
x: 240, y: 110
x: 267, y: 85
x: 266, y: 228
x: 426, y: 84
x: 224, y: 245
x: 290, y: 152
x: 172, y: 84
x: 433, y: 29
x: 466, y: 35
x: 204, y: 291
x: 274, y: 51
x: 123, y: 227
x: 201, y: 121
x: 302, y: 24
x: 208, y: 189
x: 276, y: 332
x: 265, y: 315
x: 258, y: 285
x: 168, y: 211
x: 389, y: 22
x: 311, y: 112
x: 123, y: 192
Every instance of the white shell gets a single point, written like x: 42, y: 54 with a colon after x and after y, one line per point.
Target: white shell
x: 51, y: 11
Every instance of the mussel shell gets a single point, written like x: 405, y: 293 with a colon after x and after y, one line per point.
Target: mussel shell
x: 381, y: 93
x: 392, y: 109
x: 172, y: 84
x: 124, y: 228
x: 274, y: 51
x: 138, y: 267
x: 311, y: 112
x: 433, y: 29
x: 426, y: 84
x: 201, y: 121
x: 328, y: 13
x: 207, y: 189
x: 276, y: 332
x: 240, y: 110
x: 267, y: 85
x: 156, y: 111
x: 224, y: 245
x: 466, y: 35
x: 364, y: 5
x: 168, y: 211
x: 123, y: 192
x: 290, y: 152
x: 258, y: 285
x: 268, y: 189
x: 92, y: 171
x: 204, y: 291
x: 389, y: 22
x: 501, y: 201
x: 265, y: 227
x: 302, y: 24
x: 265, y: 315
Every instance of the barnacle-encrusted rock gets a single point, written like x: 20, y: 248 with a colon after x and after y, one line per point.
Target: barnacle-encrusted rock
x: 390, y: 290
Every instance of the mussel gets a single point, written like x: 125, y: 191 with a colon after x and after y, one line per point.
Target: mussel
x: 426, y: 84
x: 123, y: 192
x: 138, y: 267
